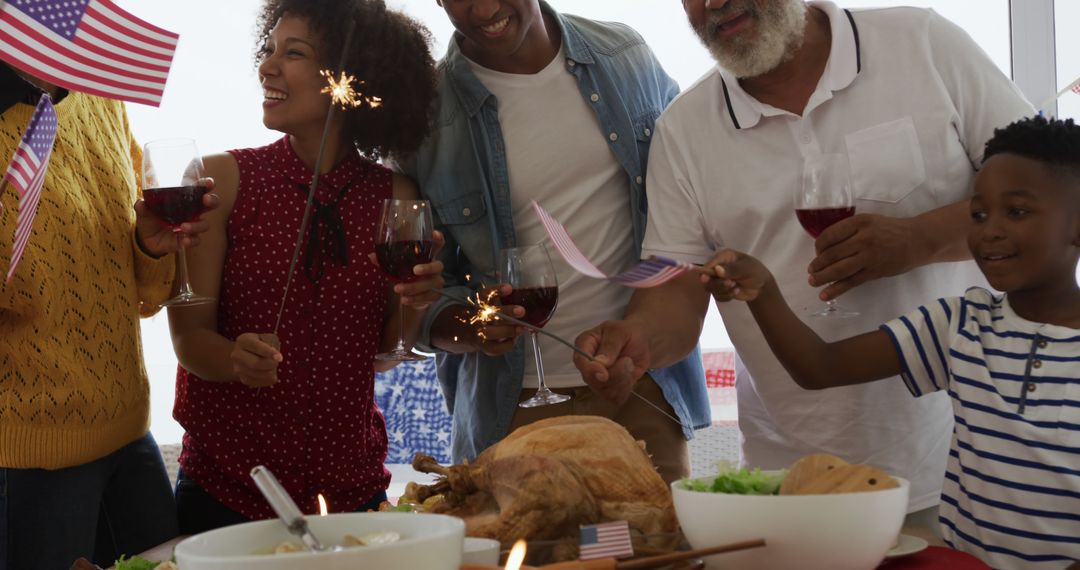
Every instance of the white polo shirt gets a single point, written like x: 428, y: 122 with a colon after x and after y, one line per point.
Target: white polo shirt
x: 911, y: 99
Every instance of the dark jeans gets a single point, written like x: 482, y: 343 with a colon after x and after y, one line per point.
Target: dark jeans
x: 199, y: 511
x: 119, y: 504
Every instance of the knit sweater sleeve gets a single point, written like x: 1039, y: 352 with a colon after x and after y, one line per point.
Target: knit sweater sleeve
x: 153, y: 276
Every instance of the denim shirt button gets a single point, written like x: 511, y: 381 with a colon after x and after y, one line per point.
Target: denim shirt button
x: 613, y: 136
x: 466, y: 212
x: 570, y: 62
x: 638, y: 180
x: 648, y: 132
x: 594, y: 98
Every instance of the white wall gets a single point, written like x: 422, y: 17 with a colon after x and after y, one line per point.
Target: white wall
x: 213, y: 95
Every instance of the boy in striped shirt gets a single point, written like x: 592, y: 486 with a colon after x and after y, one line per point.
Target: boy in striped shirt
x: 1010, y: 362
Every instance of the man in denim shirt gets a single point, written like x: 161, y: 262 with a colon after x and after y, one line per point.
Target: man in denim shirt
x: 536, y: 105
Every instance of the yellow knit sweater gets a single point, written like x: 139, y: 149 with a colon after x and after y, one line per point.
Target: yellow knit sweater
x: 73, y: 386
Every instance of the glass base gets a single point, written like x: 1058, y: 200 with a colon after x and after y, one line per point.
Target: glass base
x: 398, y: 355
x: 832, y: 310
x: 184, y: 300
x: 543, y: 397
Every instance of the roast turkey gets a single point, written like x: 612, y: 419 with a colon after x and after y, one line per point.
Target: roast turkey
x: 545, y: 479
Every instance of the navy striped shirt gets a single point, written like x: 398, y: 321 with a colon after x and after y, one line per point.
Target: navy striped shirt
x: 1012, y: 486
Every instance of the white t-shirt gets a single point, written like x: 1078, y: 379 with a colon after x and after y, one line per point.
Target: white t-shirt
x: 1012, y: 489
x: 723, y: 169
x: 558, y: 155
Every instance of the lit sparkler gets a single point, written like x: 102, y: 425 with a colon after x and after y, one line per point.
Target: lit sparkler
x: 487, y: 313
x: 342, y: 92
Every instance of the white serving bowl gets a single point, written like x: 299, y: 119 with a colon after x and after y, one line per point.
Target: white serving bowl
x: 841, y: 531
x: 427, y: 541
x: 482, y: 551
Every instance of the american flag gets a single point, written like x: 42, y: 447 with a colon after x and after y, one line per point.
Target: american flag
x: 649, y: 273
x: 27, y: 173
x: 606, y: 540
x: 92, y: 46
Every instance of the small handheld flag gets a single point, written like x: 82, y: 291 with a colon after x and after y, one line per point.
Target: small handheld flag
x: 93, y: 46
x: 27, y: 173
x: 606, y: 540
x: 649, y: 273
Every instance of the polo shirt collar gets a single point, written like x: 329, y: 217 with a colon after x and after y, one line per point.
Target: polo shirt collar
x: 845, y: 63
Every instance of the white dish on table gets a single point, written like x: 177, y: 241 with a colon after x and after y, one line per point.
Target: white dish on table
x: 838, y: 531
x: 907, y: 545
x: 427, y: 541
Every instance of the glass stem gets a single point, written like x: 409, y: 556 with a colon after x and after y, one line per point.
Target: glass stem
x: 400, y: 349
x: 181, y: 270
x: 539, y: 361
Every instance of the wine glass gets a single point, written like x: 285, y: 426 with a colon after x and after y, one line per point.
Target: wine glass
x: 172, y: 172
x: 403, y: 241
x: 823, y: 199
x: 529, y: 272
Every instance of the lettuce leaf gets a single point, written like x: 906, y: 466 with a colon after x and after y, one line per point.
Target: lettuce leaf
x: 739, y: 482
x: 135, y: 563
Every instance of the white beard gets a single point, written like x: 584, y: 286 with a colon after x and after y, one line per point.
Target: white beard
x: 780, y: 26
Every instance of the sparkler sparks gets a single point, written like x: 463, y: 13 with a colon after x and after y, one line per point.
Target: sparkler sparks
x: 343, y: 94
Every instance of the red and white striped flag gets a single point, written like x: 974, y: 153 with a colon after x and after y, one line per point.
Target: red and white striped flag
x: 606, y: 540
x: 649, y: 273
x: 27, y: 173
x: 92, y: 46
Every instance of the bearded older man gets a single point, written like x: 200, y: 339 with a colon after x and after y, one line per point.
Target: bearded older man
x: 910, y: 100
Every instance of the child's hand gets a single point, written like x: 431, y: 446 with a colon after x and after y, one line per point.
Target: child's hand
x: 734, y: 275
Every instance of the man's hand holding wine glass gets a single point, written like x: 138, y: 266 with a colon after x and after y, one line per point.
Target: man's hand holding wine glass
x: 158, y: 238
x: 862, y: 248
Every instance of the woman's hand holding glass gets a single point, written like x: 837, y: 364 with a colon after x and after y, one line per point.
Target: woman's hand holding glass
x: 158, y: 238
x: 423, y: 291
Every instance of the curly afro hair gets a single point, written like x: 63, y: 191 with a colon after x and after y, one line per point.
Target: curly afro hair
x: 389, y: 52
x: 1055, y: 142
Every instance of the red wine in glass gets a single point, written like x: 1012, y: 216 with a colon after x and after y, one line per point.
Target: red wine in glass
x: 403, y: 241
x: 539, y: 303
x: 824, y: 198
x: 535, y: 287
x: 175, y: 205
x: 397, y: 258
x: 815, y: 220
x: 171, y: 172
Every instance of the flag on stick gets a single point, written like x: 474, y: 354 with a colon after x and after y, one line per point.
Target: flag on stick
x: 27, y: 173
x: 606, y: 540
x: 92, y: 46
x: 649, y: 273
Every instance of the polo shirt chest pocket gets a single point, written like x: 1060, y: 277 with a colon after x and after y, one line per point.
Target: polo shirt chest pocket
x: 886, y: 161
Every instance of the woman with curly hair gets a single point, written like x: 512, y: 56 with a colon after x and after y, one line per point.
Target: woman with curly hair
x: 302, y: 402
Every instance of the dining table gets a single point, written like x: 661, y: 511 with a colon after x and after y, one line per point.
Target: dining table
x: 936, y: 556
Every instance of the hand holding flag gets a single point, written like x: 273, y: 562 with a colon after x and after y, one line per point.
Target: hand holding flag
x: 649, y: 273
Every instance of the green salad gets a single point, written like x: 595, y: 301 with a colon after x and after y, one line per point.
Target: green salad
x: 738, y: 481
x: 140, y: 563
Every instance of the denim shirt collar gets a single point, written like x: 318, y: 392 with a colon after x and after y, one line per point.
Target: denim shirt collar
x: 472, y: 92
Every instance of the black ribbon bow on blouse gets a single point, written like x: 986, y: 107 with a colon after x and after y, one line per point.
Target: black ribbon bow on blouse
x: 326, y: 236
